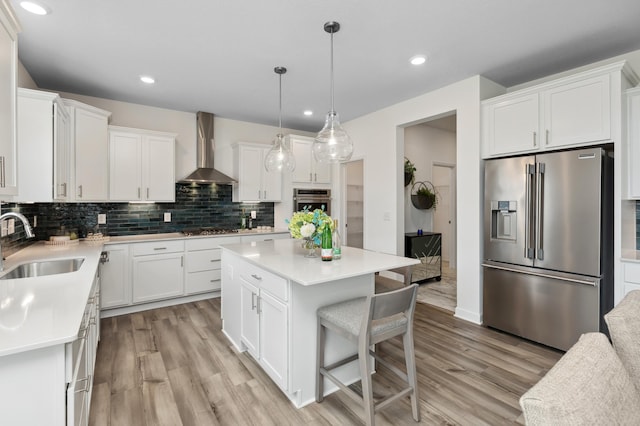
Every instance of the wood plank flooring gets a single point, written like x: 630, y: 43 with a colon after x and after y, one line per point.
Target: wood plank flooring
x: 173, y: 366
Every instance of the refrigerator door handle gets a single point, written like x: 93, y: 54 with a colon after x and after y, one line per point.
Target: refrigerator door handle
x: 540, y: 212
x: 529, y: 235
x: 541, y: 274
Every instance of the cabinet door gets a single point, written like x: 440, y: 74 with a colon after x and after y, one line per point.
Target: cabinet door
x: 512, y: 125
x: 271, y: 182
x: 115, y: 279
x: 61, y: 169
x: 578, y: 113
x: 249, y: 317
x: 8, y: 116
x: 302, y: 153
x: 633, y: 145
x: 125, y: 167
x: 273, y: 338
x: 91, y: 144
x: 158, y: 167
x: 321, y: 172
x: 249, y: 181
x: 158, y: 277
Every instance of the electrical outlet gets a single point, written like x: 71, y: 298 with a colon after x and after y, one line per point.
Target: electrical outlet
x: 102, y: 219
x: 253, y: 214
x: 11, y: 227
x: 386, y: 216
x: 167, y: 217
x: 35, y: 221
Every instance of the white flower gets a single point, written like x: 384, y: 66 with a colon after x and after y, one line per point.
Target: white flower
x: 307, y: 230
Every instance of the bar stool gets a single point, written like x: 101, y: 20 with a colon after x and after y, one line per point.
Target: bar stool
x: 367, y: 321
x: 384, y: 283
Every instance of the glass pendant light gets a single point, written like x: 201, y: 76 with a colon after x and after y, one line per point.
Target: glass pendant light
x: 280, y: 158
x: 332, y: 144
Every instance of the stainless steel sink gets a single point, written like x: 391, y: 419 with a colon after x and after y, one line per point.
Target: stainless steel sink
x: 42, y: 268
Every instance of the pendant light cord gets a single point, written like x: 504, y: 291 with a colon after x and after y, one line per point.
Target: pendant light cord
x: 280, y: 105
x: 332, y: 108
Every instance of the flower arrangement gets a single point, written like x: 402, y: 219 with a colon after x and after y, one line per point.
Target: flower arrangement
x: 309, y: 224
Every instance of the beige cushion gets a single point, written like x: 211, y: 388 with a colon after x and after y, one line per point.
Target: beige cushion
x: 587, y: 386
x: 349, y: 315
x: 624, y: 328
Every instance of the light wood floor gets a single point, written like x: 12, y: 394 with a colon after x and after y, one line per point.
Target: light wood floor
x: 173, y: 366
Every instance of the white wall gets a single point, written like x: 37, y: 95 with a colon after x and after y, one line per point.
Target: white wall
x: 424, y: 145
x: 379, y: 140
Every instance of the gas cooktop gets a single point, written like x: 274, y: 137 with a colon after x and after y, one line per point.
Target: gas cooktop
x: 208, y: 231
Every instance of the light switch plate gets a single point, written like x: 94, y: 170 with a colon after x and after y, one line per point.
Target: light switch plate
x: 102, y: 219
x: 3, y: 227
x: 253, y: 214
x: 167, y: 217
x: 11, y: 227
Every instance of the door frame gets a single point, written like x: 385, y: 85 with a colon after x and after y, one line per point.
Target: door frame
x: 343, y: 199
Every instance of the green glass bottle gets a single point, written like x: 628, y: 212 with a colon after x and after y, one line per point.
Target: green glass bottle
x: 327, y: 249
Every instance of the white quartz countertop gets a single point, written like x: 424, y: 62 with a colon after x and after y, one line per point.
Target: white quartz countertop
x: 179, y: 235
x: 286, y: 258
x: 45, y: 311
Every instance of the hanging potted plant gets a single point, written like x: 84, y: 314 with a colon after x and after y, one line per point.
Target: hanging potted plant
x: 424, y: 197
x: 409, y: 172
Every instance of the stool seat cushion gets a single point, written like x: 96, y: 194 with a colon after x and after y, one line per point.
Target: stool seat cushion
x: 349, y: 315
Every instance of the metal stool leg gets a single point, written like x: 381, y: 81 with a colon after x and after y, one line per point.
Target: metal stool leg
x: 320, y: 361
x: 367, y: 390
x: 412, y: 378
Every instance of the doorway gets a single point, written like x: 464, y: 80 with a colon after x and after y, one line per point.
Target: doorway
x: 354, y: 202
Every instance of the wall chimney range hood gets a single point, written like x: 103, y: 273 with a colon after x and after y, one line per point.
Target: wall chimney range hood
x: 205, y: 173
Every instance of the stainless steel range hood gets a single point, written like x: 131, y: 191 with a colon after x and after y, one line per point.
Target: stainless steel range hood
x: 205, y: 173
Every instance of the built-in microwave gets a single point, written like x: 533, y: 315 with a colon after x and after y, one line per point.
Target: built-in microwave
x: 314, y: 198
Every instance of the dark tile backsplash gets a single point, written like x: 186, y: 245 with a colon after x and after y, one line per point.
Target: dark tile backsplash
x: 195, y: 206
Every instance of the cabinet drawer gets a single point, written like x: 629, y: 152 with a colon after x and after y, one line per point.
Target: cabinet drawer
x: 203, y: 260
x: 158, y: 247
x: 209, y: 243
x: 266, y: 281
x: 631, y: 272
x: 200, y: 282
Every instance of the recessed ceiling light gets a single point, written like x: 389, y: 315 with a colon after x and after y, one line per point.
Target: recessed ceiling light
x: 35, y: 8
x: 308, y: 112
x: 147, y: 79
x: 418, y: 60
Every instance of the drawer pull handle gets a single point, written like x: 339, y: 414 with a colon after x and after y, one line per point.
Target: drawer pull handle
x: 159, y: 248
x: 257, y: 277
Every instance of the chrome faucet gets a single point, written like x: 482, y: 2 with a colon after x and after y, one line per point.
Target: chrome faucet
x: 27, y: 230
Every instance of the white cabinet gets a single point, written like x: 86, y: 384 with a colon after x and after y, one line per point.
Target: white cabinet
x: 9, y: 28
x: 89, y: 152
x: 264, y: 319
x: 115, y: 277
x: 54, y: 383
x: 141, y: 165
x: 157, y: 270
x: 202, y: 258
x: 631, y: 167
x: 254, y: 182
x: 571, y: 111
x: 630, y: 276
x: 307, y: 170
x: 43, y: 148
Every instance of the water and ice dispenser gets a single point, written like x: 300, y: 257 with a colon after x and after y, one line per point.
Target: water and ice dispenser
x: 503, y: 220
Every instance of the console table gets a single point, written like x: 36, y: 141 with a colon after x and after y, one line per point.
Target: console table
x: 426, y: 248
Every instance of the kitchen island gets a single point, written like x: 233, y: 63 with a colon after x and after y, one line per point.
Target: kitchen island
x: 270, y: 294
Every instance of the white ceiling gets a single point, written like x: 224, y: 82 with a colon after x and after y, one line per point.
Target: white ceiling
x: 218, y: 56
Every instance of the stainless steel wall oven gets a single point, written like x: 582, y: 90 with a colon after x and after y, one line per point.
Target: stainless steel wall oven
x: 315, y: 198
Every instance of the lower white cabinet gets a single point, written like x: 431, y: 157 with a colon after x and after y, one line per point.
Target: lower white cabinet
x: 115, y: 277
x: 157, y: 270
x: 56, y: 381
x: 631, y: 276
x: 202, y: 258
x: 264, y: 319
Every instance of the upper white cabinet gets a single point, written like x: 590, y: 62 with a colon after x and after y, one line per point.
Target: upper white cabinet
x: 89, y: 152
x: 308, y: 170
x: 43, y: 128
x: 567, y: 112
x: 141, y: 165
x: 632, y: 163
x: 254, y: 182
x: 9, y: 29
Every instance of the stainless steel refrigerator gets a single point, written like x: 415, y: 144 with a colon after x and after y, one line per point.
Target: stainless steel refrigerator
x: 548, y: 244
